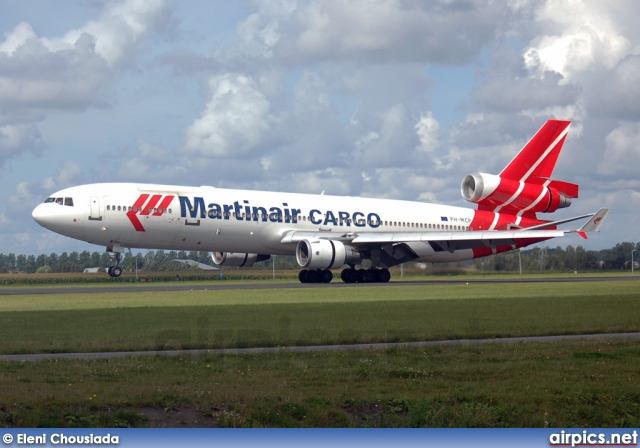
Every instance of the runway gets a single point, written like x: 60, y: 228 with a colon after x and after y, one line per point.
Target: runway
x: 222, y: 285
x: 310, y: 348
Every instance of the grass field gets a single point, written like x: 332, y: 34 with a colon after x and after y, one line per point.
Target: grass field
x: 271, y: 317
x: 571, y: 383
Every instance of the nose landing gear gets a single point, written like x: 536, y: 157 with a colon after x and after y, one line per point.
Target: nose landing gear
x: 115, y: 271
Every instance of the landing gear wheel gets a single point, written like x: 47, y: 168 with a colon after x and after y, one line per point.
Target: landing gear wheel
x: 115, y: 271
x: 384, y: 275
x: 312, y: 276
x: 349, y: 275
x: 302, y: 276
x: 326, y: 276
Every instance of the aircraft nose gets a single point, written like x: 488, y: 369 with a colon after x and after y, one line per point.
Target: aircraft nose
x: 39, y: 215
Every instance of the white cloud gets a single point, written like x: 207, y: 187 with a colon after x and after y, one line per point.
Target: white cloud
x: 585, y: 37
x: 428, y: 129
x: 43, y: 75
x: 235, y: 122
x: 622, y: 156
x: 620, y: 96
x: 377, y: 30
x: 16, y: 139
x: 145, y: 162
x: 122, y: 24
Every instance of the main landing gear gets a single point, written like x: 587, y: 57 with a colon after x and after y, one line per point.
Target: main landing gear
x: 350, y: 275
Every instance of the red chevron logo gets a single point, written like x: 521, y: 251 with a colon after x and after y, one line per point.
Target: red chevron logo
x: 143, y: 207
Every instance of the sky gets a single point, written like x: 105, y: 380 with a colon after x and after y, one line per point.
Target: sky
x: 391, y: 99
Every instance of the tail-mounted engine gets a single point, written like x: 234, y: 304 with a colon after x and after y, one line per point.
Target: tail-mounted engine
x: 237, y: 259
x: 325, y: 254
x: 490, y: 192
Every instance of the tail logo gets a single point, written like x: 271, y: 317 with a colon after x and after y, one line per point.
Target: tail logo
x: 145, y: 207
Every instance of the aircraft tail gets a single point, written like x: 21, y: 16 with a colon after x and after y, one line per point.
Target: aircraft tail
x: 537, y: 159
x: 524, y: 186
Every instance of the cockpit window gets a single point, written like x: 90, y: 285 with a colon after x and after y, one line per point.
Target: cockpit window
x: 62, y: 201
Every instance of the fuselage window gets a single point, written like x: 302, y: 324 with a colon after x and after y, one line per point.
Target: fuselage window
x: 129, y: 208
x: 108, y: 207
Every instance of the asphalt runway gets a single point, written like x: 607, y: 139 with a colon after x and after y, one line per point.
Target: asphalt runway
x: 222, y: 285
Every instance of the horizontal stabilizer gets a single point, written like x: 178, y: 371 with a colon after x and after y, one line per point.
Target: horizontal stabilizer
x: 593, y: 225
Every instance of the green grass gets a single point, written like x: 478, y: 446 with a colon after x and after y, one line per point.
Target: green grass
x: 562, y: 384
x: 271, y: 317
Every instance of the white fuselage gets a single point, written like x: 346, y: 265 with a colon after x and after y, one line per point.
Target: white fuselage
x: 224, y: 220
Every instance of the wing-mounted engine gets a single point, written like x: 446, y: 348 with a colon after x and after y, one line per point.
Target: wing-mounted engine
x: 237, y: 259
x: 325, y: 254
x: 495, y: 193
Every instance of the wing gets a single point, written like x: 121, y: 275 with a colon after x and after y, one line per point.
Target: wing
x: 398, y: 247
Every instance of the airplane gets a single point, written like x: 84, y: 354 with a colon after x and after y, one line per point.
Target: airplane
x: 324, y: 232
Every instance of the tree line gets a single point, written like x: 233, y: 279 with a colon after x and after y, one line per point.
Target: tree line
x: 572, y: 258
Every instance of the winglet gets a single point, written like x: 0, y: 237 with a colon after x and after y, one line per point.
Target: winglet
x: 593, y: 225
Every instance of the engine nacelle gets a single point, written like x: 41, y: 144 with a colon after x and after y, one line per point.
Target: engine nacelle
x: 492, y: 191
x: 237, y: 259
x: 325, y: 254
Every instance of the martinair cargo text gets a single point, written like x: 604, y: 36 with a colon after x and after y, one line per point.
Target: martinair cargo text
x: 242, y: 227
